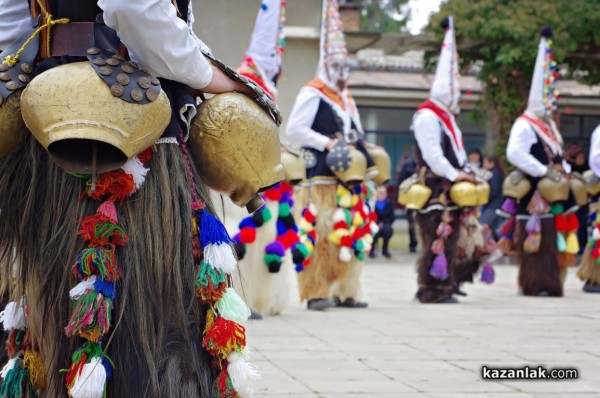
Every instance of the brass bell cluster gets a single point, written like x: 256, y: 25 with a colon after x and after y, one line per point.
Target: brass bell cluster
x: 470, y: 194
x: 413, y: 193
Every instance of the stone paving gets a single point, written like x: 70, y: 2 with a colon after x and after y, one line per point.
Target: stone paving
x: 400, y: 348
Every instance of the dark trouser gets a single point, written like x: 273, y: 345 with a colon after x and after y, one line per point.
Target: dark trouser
x: 582, y: 232
x: 385, y: 233
x: 432, y: 290
x: 412, y: 236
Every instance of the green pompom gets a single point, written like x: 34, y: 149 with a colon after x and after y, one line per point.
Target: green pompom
x: 232, y: 307
x: 360, y: 255
x: 557, y: 208
x: 266, y: 213
x: 284, y: 209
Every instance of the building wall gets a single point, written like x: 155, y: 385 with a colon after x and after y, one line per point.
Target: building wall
x: 226, y: 27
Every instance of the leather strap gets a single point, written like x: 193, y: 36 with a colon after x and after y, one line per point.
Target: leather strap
x: 35, y: 11
x: 73, y: 38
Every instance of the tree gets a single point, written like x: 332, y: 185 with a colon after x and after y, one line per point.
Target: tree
x: 384, y: 16
x: 503, y: 35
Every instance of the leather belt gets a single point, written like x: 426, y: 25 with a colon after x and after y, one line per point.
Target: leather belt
x: 73, y: 38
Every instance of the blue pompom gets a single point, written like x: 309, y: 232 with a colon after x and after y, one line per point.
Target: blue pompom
x: 247, y: 222
x: 106, y: 288
x: 212, y: 230
x: 263, y: 6
x: 281, y: 228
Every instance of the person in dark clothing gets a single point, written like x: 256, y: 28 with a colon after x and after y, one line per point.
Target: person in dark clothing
x: 579, y: 165
x: 409, y: 168
x: 488, y: 212
x: 385, y: 219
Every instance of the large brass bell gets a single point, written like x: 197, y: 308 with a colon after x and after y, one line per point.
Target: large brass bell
x: 483, y: 193
x: 72, y: 113
x: 383, y: 164
x: 592, y: 182
x: 579, y: 190
x: 235, y: 145
x: 554, y: 189
x: 516, y: 185
x: 464, y: 194
x: 293, y: 167
x: 11, y: 124
x: 413, y: 194
x: 348, y: 164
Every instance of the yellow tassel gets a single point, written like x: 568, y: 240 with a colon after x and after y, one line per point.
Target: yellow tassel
x: 35, y: 365
x: 572, y: 244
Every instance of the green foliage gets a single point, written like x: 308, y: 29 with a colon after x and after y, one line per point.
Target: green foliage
x: 504, y: 34
x: 383, y: 16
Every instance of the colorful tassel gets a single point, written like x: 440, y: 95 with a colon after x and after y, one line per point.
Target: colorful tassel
x: 561, y: 244
x: 439, y: 268
x: 90, y: 382
x: 242, y: 374
x: 488, y: 274
x: 232, y: 307
x: 13, y: 316
x: 509, y: 206
x: 136, y: 169
x: 216, y: 243
x: 210, y: 284
x: 572, y: 244
x: 532, y: 242
x: 223, y: 337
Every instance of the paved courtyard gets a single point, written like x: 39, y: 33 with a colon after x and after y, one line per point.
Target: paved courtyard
x: 400, y: 348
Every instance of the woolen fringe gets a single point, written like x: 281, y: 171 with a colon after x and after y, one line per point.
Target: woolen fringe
x: 539, y: 272
x: 432, y: 290
x: 155, y: 339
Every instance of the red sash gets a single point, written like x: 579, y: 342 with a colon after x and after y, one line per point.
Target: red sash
x: 542, y: 128
x: 444, y: 118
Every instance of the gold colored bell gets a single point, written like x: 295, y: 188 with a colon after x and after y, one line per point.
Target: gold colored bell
x: 235, y: 145
x: 355, y: 174
x: 415, y: 197
x: 579, y: 190
x: 293, y: 167
x: 483, y: 193
x: 516, y: 185
x: 72, y: 113
x: 592, y: 182
x: 464, y: 194
x: 554, y: 191
x: 383, y: 164
x: 11, y: 124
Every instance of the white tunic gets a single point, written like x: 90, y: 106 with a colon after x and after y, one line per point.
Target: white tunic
x: 299, y: 132
x: 428, y: 132
x: 595, y: 152
x: 518, y: 150
x: 156, y: 38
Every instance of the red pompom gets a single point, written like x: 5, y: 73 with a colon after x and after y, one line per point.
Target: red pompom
x: 273, y: 194
x: 308, y: 216
x: 560, y: 223
x: 346, y: 241
x: 247, y: 235
x: 288, y: 238
x: 340, y: 225
x: 572, y: 222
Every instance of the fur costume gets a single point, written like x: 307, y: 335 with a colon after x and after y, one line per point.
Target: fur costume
x: 265, y: 292
x: 433, y: 290
x: 540, y: 272
x: 325, y: 267
x: 155, y: 338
